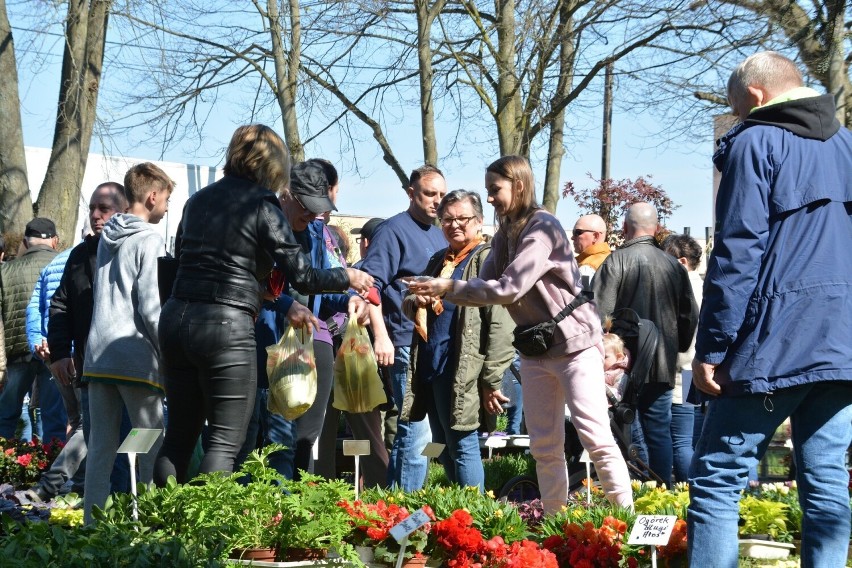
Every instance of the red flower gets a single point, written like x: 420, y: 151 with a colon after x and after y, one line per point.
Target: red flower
x: 25, y: 459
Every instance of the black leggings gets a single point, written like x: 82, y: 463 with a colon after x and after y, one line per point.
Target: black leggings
x: 210, y: 363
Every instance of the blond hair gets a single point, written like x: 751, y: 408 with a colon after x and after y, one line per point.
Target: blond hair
x: 142, y: 179
x: 614, y: 342
x: 258, y: 154
x: 517, y: 170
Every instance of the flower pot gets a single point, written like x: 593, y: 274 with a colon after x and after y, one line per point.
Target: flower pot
x: 259, y: 554
x: 766, y: 549
x: 414, y: 562
x: 297, y: 554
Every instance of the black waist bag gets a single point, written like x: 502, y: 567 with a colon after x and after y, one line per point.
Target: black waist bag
x: 532, y: 340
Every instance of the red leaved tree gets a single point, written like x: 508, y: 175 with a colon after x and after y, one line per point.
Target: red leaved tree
x: 611, y: 198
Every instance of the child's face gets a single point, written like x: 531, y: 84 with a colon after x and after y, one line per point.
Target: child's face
x: 610, y: 358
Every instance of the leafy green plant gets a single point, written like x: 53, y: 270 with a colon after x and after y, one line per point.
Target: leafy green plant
x: 764, y: 516
x: 310, y: 515
x: 500, y: 469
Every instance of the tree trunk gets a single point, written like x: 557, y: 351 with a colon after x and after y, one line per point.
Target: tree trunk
x: 838, y: 76
x: 16, y: 207
x: 556, y: 146
x: 425, y: 17
x: 82, y: 64
x: 508, y: 94
x: 287, y: 73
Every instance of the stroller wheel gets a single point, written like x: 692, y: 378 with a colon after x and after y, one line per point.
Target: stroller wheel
x: 520, y: 489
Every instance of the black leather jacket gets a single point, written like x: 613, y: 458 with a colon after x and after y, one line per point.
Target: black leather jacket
x: 229, y: 236
x: 641, y: 276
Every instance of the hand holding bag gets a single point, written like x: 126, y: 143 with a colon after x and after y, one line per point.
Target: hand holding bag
x: 357, y: 385
x: 292, y: 374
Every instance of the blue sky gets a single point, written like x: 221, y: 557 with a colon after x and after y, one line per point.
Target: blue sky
x: 683, y: 169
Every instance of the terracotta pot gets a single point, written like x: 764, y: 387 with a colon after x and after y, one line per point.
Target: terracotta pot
x: 296, y: 554
x: 260, y: 554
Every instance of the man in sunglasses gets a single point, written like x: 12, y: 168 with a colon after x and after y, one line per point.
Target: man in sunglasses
x: 590, y: 246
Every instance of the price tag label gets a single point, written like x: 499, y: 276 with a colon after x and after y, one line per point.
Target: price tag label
x: 139, y: 440
x: 585, y: 458
x: 432, y: 450
x: 356, y: 447
x: 495, y: 442
x: 409, y: 524
x: 652, y: 529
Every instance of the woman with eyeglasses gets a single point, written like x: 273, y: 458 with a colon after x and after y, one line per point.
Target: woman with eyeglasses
x: 459, y: 354
x: 531, y: 270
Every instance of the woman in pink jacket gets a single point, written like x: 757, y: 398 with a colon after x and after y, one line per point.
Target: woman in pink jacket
x: 532, y: 271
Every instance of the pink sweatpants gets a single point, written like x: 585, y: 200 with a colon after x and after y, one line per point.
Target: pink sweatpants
x: 578, y: 381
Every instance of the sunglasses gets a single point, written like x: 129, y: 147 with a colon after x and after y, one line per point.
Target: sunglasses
x: 578, y: 232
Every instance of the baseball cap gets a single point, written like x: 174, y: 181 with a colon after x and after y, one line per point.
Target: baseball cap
x: 310, y: 186
x: 369, y: 228
x: 40, y: 227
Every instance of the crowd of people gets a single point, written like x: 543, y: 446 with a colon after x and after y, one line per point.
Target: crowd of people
x: 463, y: 325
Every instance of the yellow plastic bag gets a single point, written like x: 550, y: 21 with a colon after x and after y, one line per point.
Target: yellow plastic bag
x: 357, y: 385
x: 292, y: 374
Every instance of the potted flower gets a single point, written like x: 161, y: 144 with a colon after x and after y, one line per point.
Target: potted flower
x: 371, y: 524
x: 23, y: 461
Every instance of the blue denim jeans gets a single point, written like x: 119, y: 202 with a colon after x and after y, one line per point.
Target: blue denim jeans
x: 683, y: 425
x: 407, y: 467
x: 461, y: 457
x: 737, y: 431
x: 512, y: 389
x: 655, y: 412
x: 279, y: 430
x: 19, y: 380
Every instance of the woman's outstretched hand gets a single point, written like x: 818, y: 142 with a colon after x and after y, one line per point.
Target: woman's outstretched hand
x: 359, y: 281
x: 434, y: 287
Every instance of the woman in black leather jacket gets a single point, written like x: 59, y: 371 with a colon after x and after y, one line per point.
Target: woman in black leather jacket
x: 231, y: 233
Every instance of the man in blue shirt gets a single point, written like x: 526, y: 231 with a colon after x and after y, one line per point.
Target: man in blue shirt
x: 400, y: 247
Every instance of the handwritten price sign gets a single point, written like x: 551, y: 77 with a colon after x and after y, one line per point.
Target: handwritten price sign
x: 409, y: 524
x: 652, y: 529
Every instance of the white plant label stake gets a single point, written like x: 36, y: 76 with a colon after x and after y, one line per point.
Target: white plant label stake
x: 404, y: 528
x: 138, y: 441
x: 584, y: 458
x: 653, y: 530
x: 356, y: 448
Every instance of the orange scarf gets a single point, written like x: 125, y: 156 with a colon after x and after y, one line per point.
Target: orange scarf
x: 451, y: 261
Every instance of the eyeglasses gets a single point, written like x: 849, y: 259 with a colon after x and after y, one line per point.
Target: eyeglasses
x: 358, y: 240
x: 578, y: 232
x: 461, y: 221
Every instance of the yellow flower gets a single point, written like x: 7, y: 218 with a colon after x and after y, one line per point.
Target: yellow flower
x: 490, y: 493
x: 498, y: 513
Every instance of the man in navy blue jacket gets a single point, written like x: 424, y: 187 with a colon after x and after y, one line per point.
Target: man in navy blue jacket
x: 402, y: 246
x: 776, y: 321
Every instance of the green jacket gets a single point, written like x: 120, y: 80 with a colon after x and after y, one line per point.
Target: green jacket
x: 484, y: 350
x: 17, y: 280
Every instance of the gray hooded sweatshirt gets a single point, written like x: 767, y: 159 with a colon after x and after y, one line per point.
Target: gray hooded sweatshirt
x: 123, y: 347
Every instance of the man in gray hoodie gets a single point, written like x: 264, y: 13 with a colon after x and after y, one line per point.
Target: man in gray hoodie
x: 122, y: 353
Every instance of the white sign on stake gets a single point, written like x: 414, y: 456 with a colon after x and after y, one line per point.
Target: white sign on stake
x: 652, y: 529
x: 432, y: 450
x: 409, y: 524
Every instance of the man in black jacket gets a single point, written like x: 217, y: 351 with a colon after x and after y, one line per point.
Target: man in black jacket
x: 68, y: 328
x: 641, y: 276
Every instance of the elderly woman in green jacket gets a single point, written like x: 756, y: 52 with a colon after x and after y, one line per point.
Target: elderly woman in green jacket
x: 458, y: 354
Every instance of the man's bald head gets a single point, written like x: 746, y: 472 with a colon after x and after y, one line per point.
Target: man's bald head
x: 588, y: 230
x: 641, y: 221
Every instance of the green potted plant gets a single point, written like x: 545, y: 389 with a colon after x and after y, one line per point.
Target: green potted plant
x: 763, y: 528
x: 311, y: 520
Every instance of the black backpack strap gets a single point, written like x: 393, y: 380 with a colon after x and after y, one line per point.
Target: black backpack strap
x: 581, y: 298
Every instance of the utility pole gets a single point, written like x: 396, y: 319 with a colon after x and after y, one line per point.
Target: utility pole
x: 606, y: 139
